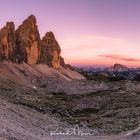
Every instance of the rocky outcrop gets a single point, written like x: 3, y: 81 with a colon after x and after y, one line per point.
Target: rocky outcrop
x: 70, y: 67
x: 50, y: 51
x: 28, y: 41
x: 62, y: 62
x: 7, y: 41
x: 25, y: 46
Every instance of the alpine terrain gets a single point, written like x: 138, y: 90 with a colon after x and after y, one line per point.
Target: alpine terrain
x: 40, y: 94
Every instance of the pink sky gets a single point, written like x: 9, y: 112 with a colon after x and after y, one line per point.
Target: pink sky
x: 90, y: 32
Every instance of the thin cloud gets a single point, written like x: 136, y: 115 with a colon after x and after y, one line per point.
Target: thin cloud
x: 89, y: 46
x: 78, y: 48
x: 118, y: 57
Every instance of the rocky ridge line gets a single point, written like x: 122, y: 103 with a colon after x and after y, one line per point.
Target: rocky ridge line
x: 24, y: 45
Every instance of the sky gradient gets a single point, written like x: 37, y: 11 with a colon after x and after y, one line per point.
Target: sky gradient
x: 90, y: 32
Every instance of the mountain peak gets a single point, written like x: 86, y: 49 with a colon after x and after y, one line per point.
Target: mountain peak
x: 31, y: 16
x: 49, y: 35
x: 25, y: 46
x: 120, y: 65
x: 50, y: 51
x: 30, y: 19
x: 28, y: 41
x: 118, y: 68
x: 10, y: 25
x: 7, y: 41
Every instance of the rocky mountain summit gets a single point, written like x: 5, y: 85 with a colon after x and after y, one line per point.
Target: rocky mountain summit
x: 28, y: 42
x: 7, y: 41
x: 117, y: 68
x: 24, y: 45
x: 50, y: 50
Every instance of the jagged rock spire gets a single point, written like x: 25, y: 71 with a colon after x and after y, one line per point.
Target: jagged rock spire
x: 50, y: 50
x: 7, y: 41
x: 28, y: 41
x: 25, y: 45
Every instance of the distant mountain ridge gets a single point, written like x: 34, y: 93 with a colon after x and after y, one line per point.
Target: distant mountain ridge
x: 117, y: 71
x: 117, y: 68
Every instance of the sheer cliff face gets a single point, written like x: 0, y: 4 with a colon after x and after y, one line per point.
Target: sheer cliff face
x: 28, y: 41
x: 50, y: 51
x: 25, y: 45
x: 7, y: 41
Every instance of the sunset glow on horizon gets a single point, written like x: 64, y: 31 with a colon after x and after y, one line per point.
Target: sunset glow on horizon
x: 90, y: 32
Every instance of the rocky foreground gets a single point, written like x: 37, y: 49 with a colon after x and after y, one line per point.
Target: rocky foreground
x: 28, y: 108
